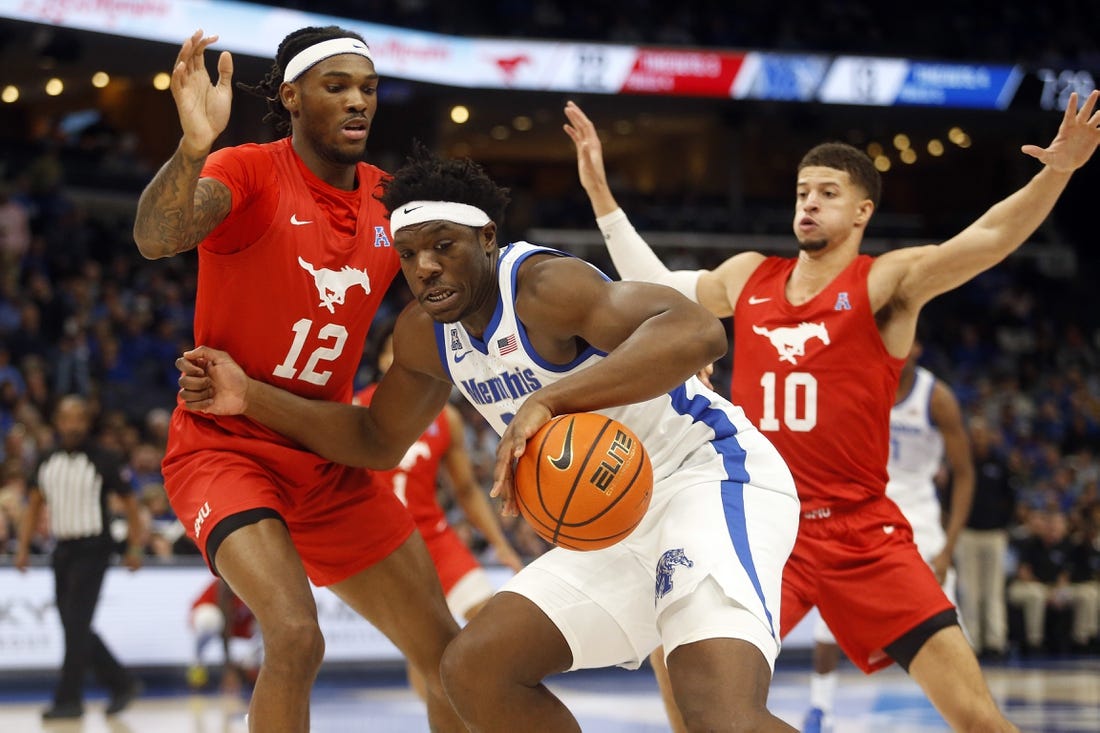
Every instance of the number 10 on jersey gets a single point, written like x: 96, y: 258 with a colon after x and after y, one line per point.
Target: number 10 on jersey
x: 799, y: 402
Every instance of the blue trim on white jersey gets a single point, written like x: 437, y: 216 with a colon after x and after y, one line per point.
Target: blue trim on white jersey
x: 441, y: 346
x: 733, y: 487
x: 587, y: 353
x: 498, y: 312
x: 701, y: 409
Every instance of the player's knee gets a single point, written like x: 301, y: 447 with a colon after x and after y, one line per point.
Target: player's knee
x: 297, y: 642
x: 458, y: 670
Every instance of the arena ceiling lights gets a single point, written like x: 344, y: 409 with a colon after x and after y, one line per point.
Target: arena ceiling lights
x: 572, y: 67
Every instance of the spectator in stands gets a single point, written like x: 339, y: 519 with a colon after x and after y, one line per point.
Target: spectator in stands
x: 13, y: 492
x: 157, y: 421
x: 1042, y: 577
x: 983, y: 545
x: 1085, y: 581
x: 15, y: 235
x: 143, y: 468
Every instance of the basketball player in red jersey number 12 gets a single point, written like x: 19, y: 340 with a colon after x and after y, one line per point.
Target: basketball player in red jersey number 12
x: 832, y: 328
x: 294, y: 257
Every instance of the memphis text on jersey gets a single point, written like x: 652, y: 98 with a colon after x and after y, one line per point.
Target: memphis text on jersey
x: 510, y: 385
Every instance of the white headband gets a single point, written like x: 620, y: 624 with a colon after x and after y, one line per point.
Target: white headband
x: 318, y: 52
x: 418, y: 212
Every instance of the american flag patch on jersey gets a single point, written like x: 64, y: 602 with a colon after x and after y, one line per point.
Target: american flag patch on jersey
x: 507, y: 345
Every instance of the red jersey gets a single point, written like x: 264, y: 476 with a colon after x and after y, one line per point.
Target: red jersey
x: 817, y: 380
x: 414, y: 481
x: 289, y: 287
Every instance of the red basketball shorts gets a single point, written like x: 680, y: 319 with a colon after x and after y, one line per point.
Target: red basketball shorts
x: 339, y: 521
x: 451, y: 557
x: 861, y: 568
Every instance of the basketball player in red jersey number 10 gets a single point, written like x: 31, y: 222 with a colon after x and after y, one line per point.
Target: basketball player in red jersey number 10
x: 830, y: 329
x: 294, y: 257
x: 525, y: 333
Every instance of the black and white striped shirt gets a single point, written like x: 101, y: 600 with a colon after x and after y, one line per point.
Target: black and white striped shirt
x: 75, y: 485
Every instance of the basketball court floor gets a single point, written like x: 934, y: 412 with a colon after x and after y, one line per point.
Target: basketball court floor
x: 1051, y: 696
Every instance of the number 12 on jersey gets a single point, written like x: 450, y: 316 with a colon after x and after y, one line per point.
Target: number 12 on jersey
x: 799, y: 402
x: 332, y: 333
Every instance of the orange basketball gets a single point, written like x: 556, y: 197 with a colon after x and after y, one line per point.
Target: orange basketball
x: 584, y: 481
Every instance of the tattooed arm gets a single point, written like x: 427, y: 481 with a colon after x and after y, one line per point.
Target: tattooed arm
x: 177, y: 209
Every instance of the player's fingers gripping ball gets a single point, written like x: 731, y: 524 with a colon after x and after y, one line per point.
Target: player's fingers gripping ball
x: 584, y: 481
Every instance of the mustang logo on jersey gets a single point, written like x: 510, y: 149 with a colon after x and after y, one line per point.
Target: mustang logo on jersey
x: 333, y: 285
x: 790, y: 341
x: 666, y: 566
x: 504, y: 386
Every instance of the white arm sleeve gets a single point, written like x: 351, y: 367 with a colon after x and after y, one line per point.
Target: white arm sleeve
x: 635, y: 260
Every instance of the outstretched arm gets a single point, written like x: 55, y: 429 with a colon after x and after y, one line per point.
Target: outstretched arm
x: 633, y: 257
x: 925, y: 272
x: 177, y: 209
x: 470, y: 496
x: 947, y: 417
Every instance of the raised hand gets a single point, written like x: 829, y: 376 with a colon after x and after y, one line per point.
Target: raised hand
x: 210, y: 381
x: 203, y: 107
x: 1077, y: 137
x: 590, y: 164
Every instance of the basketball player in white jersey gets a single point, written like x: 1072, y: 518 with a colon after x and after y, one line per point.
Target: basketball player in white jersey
x: 526, y: 333
x: 926, y: 425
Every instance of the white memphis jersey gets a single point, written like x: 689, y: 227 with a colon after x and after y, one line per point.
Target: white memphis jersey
x: 498, y: 372
x: 916, y: 453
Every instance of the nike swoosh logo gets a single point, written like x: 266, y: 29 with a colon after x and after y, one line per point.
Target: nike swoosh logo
x: 563, y: 461
x: 409, y: 209
x: 297, y: 222
x: 460, y: 357
x: 753, y: 300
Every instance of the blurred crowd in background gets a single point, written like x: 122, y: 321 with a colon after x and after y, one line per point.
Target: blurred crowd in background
x: 81, y: 312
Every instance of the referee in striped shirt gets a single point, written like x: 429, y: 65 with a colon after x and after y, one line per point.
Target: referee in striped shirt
x: 74, y: 480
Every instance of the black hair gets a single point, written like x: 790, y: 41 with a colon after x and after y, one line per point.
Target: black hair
x: 853, y: 161
x: 427, y: 177
x: 291, y: 46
